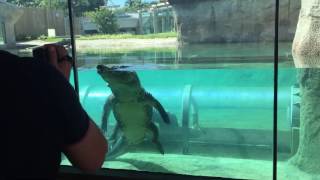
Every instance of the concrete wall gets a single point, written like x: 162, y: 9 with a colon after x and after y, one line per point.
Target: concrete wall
x: 9, y: 14
x: 203, y: 21
x: 36, y: 21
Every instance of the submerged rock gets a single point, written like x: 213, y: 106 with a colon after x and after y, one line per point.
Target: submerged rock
x: 308, y: 156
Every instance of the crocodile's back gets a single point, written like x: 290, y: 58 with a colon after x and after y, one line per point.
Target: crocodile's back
x: 134, y: 119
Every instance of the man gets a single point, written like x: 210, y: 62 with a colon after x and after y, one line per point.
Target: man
x: 41, y: 117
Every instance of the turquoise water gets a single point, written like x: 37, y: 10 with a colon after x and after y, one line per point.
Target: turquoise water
x: 233, y: 88
x: 238, y: 99
x: 235, y: 113
x: 222, y: 94
x: 194, y: 56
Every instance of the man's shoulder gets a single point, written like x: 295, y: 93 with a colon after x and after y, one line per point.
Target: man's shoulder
x: 23, y: 61
x: 7, y: 55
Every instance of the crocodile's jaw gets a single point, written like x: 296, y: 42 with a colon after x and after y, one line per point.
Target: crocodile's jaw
x: 114, y: 76
x: 124, y: 85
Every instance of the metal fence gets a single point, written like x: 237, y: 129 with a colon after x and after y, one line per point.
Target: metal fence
x: 157, y: 21
x: 35, y: 22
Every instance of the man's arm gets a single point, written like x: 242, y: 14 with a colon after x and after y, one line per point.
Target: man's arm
x: 84, y: 146
x: 88, y: 154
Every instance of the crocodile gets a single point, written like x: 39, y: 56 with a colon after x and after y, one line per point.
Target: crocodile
x: 132, y: 108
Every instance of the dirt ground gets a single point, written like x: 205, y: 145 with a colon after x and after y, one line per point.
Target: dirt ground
x: 126, y: 43
x: 107, y: 44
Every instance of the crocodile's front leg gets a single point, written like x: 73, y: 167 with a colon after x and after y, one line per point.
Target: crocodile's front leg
x: 112, y: 139
x: 153, y: 102
x: 120, y: 147
x: 155, y: 137
x: 108, y: 106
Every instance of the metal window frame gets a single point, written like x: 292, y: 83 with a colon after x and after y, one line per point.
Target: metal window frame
x: 73, y: 45
x: 275, y: 91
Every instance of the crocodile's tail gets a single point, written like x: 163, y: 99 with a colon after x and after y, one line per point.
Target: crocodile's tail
x: 119, y: 148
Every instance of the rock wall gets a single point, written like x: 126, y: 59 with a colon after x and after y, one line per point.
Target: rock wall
x: 307, y: 158
x: 306, y: 44
x: 215, y: 21
x: 306, y: 55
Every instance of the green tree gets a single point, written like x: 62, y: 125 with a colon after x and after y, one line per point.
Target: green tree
x: 134, y: 5
x: 26, y: 3
x: 105, y: 20
x: 79, y: 6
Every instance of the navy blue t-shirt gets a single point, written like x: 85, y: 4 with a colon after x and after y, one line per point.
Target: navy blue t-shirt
x: 40, y: 114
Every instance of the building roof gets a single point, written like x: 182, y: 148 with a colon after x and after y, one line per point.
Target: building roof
x: 128, y: 20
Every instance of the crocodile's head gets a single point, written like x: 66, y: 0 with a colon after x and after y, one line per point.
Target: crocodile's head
x: 122, y: 82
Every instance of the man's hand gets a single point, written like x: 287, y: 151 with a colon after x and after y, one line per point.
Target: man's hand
x: 58, y: 57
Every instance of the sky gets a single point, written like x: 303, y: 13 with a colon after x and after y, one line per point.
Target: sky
x: 121, y: 2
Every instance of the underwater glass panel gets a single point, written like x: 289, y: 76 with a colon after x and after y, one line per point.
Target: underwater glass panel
x: 299, y: 160
x: 211, y: 69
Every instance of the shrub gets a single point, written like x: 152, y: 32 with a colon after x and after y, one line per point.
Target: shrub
x: 24, y: 37
x: 42, y: 37
x: 105, y: 20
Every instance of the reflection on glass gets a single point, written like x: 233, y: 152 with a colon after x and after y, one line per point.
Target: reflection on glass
x: 208, y: 63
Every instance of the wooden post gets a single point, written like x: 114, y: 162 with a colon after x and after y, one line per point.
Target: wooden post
x: 155, y: 20
x: 167, y: 18
x: 140, y: 23
x: 163, y: 22
x: 2, y: 37
x: 9, y: 34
